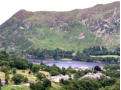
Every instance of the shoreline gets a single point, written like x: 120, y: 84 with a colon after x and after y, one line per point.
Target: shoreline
x: 59, y: 60
x: 67, y: 63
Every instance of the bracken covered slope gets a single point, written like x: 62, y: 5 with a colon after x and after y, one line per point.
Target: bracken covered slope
x: 71, y: 30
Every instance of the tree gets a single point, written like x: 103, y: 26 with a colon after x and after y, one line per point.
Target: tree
x: 97, y: 68
x: 76, y: 76
x: 41, y: 85
x: 25, y: 79
x: 6, y: 77
x: 14, y: 71
x: 112, y: 67
x: 37, y: 86
x: 0, y: 84
x: 88, y: 84
x: 4, y: 55
x: 81, y: 56
x: 115, y: 86
x: 4, y: 69
x: 40, y: 76
x: 35, y: 68
x: 18, y: 62
x: 30, y: 65
x: 63, y: 71
x: 46, y: 83
x: 17, y: 78
x: 54, y: 73
x: 113, y: 73
x: 70, y: 70
x: 96, y: 50
x: 108, y: 82
x: 64, y: 82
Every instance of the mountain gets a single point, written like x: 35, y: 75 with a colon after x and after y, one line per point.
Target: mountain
x: 69, y: 30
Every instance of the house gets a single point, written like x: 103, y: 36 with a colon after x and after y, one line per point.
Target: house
x: 27, y: 84
x: 3, y: 82
x: 82, y: 68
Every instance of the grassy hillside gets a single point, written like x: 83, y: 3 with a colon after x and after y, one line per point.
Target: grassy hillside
x: 72, y: 30
x: 15, y: 87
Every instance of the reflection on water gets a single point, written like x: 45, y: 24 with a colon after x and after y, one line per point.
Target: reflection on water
x: 66, y: 63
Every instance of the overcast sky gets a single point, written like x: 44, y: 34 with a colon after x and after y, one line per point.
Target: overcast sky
x: 10, y: 7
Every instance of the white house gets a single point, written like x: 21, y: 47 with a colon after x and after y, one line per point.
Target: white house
x: 81, y: 68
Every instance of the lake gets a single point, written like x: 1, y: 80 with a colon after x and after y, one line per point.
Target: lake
x: 67, y: 63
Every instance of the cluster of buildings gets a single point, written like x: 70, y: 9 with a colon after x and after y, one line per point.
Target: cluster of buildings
x: 82, y: 68
x: 95, y: 76
x: 59, y: 77
x: 66, y: 77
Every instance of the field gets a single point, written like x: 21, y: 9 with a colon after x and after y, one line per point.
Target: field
x: 29, y: 76
x: 15, y: 87
x: 24, y: 73
x: 66, y: 59
x: 105, y: 56
x: 45, y: 73
x: 55, y: 85
x: 22, y: 87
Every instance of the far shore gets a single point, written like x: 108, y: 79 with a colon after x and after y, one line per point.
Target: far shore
x: 51, y: 59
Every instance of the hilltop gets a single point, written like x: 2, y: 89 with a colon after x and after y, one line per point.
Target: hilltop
x: 69, y: 30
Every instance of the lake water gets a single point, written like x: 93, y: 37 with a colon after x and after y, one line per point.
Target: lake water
x: 67, y: 63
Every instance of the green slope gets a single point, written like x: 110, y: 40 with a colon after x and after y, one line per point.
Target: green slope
x: 72, y: 30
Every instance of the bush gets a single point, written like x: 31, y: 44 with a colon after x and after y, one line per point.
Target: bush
x: 37, y: 86
x: 18, y: 62
x: 25, y: 79
x: 46, y: 83
x: 35, y: 68
x: 97, y: 68
x: 54, y: 73
x: 4, y: 69
x: 40, y: 76
x: 14, y: 71
x: 18, y: 78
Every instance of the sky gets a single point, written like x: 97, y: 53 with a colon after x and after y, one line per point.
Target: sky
x: 10, y: 7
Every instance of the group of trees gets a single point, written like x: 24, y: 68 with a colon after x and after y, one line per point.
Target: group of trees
x: 98, y: 50
x: 12, y: 61
x: 45, y: 54
x: 83, y: 84
x: 90, y: 84
x: 9, y: 64
x: 112, y: 70
x: 58, y: 54
x: 53, y: 70
x: 18, y: 78
x: 44, y: 84
x: 85, y: 57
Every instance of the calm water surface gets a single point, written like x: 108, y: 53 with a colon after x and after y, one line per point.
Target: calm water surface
x: 66, y: 63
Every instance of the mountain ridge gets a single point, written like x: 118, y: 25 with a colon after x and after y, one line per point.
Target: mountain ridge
x: 80, y: 28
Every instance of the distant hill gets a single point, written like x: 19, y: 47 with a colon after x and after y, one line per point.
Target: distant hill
x: 71, y: 30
